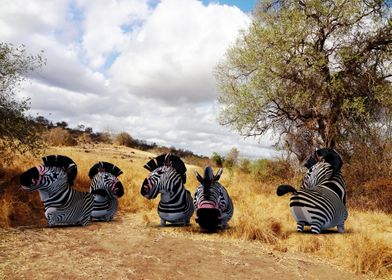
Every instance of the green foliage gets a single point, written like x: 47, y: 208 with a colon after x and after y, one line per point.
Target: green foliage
x: 271, y: 170
x: 258, y: 168
x: 18, y: 133
x: 217, y: 159
x: 309, y: 70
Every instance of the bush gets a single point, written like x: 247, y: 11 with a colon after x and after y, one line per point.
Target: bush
x: 217, y: 159
x: 59, y: 137
x: 367, y: 163
x: 368, y: 175
x: 374, y: 195
x: 231, y: 159
x: 125, y: 139
x: 270, y: 170
x: 101, y: 137
x: 244, y: 165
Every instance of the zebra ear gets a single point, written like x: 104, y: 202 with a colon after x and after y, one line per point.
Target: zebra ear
x: 151, y: 165
x: 198, y: 177
x: 218, y: 174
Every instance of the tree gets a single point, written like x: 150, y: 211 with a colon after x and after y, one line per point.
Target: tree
x: 231, y: 159
x: 41, y: 120
x: 62, y: 124
x: 89, y: 130
x: 17, y: 132
x: 217, y: 159
x: 316, y: 72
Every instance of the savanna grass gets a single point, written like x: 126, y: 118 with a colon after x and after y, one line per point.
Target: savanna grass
x: 259, y: 215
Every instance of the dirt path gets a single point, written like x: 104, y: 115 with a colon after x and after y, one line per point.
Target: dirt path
x: 128, y: 249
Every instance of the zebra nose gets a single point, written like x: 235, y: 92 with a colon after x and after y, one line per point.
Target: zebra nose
x: 26, y: 179
x: 145, y: 187
x: 118, y: 189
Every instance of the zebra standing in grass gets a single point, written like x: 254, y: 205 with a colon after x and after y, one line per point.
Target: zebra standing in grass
x: 168, y: 176
x: 53, y: 180
x: 321, y: 200
x: 214, y: 207
x: 106, y: 189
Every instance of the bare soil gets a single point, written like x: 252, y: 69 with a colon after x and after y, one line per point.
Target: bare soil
x: 130, y: 248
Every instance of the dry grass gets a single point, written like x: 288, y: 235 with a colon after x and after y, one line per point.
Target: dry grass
x: 259, y: 214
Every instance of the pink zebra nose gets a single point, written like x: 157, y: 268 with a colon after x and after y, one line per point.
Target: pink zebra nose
x: 208, y: 205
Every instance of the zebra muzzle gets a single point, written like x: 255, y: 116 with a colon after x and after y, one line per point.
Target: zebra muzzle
x: 146, y: 187
x: 208, y: 218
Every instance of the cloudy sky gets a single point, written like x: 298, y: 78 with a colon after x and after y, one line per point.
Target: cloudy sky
x: 140, y: 66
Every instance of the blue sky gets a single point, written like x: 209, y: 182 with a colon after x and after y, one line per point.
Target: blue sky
x: 246, y: 6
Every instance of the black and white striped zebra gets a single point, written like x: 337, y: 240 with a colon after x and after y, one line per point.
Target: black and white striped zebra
x: 54, y: 180
x: 320, y: 202
x: 214, y: 207
x: 167, y: 177
x: 106, y: 188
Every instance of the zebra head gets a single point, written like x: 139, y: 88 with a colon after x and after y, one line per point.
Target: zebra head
x: 208, y: 183
x: 166, y: 169
x: 104, y: 180
x: 328, y: 155
x: 55, y: 172
x: 208, y: 199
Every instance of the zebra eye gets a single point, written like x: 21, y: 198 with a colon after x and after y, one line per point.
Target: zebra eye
x: 159, y: 172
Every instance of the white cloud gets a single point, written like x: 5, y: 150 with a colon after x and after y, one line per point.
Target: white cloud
x: 175, y: 51
x: 105, y: 26
x: 160, y: 86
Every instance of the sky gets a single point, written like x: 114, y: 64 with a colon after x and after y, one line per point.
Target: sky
x: 140, y: 66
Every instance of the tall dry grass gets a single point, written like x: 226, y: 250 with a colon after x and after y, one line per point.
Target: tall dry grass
x: 260, y: 215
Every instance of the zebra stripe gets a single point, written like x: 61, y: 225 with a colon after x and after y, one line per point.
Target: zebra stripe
x: 320, y: 175
x: 320, y: 202
x: 176, y: 203
x: 63, y: 205
x: 105, y: 200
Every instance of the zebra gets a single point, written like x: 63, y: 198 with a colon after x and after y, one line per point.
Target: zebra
x: 54, y: 180
x: 168, y: 176
x: 214, y: 207
x: 106, y: 189
x: 321, y: 200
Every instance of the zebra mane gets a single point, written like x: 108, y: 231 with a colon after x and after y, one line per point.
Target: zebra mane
x: 332, y: 157
x: 106, y: 167
x: 328, y: 155
x: 174, y: 161
x: 64, y: 162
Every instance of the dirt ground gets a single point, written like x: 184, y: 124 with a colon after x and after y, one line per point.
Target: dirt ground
x: 128, y: 248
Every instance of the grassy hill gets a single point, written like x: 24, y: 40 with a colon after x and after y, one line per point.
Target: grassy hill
x: 259, y: 215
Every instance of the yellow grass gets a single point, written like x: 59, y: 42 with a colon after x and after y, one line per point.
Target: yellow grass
x: 260, y: 215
